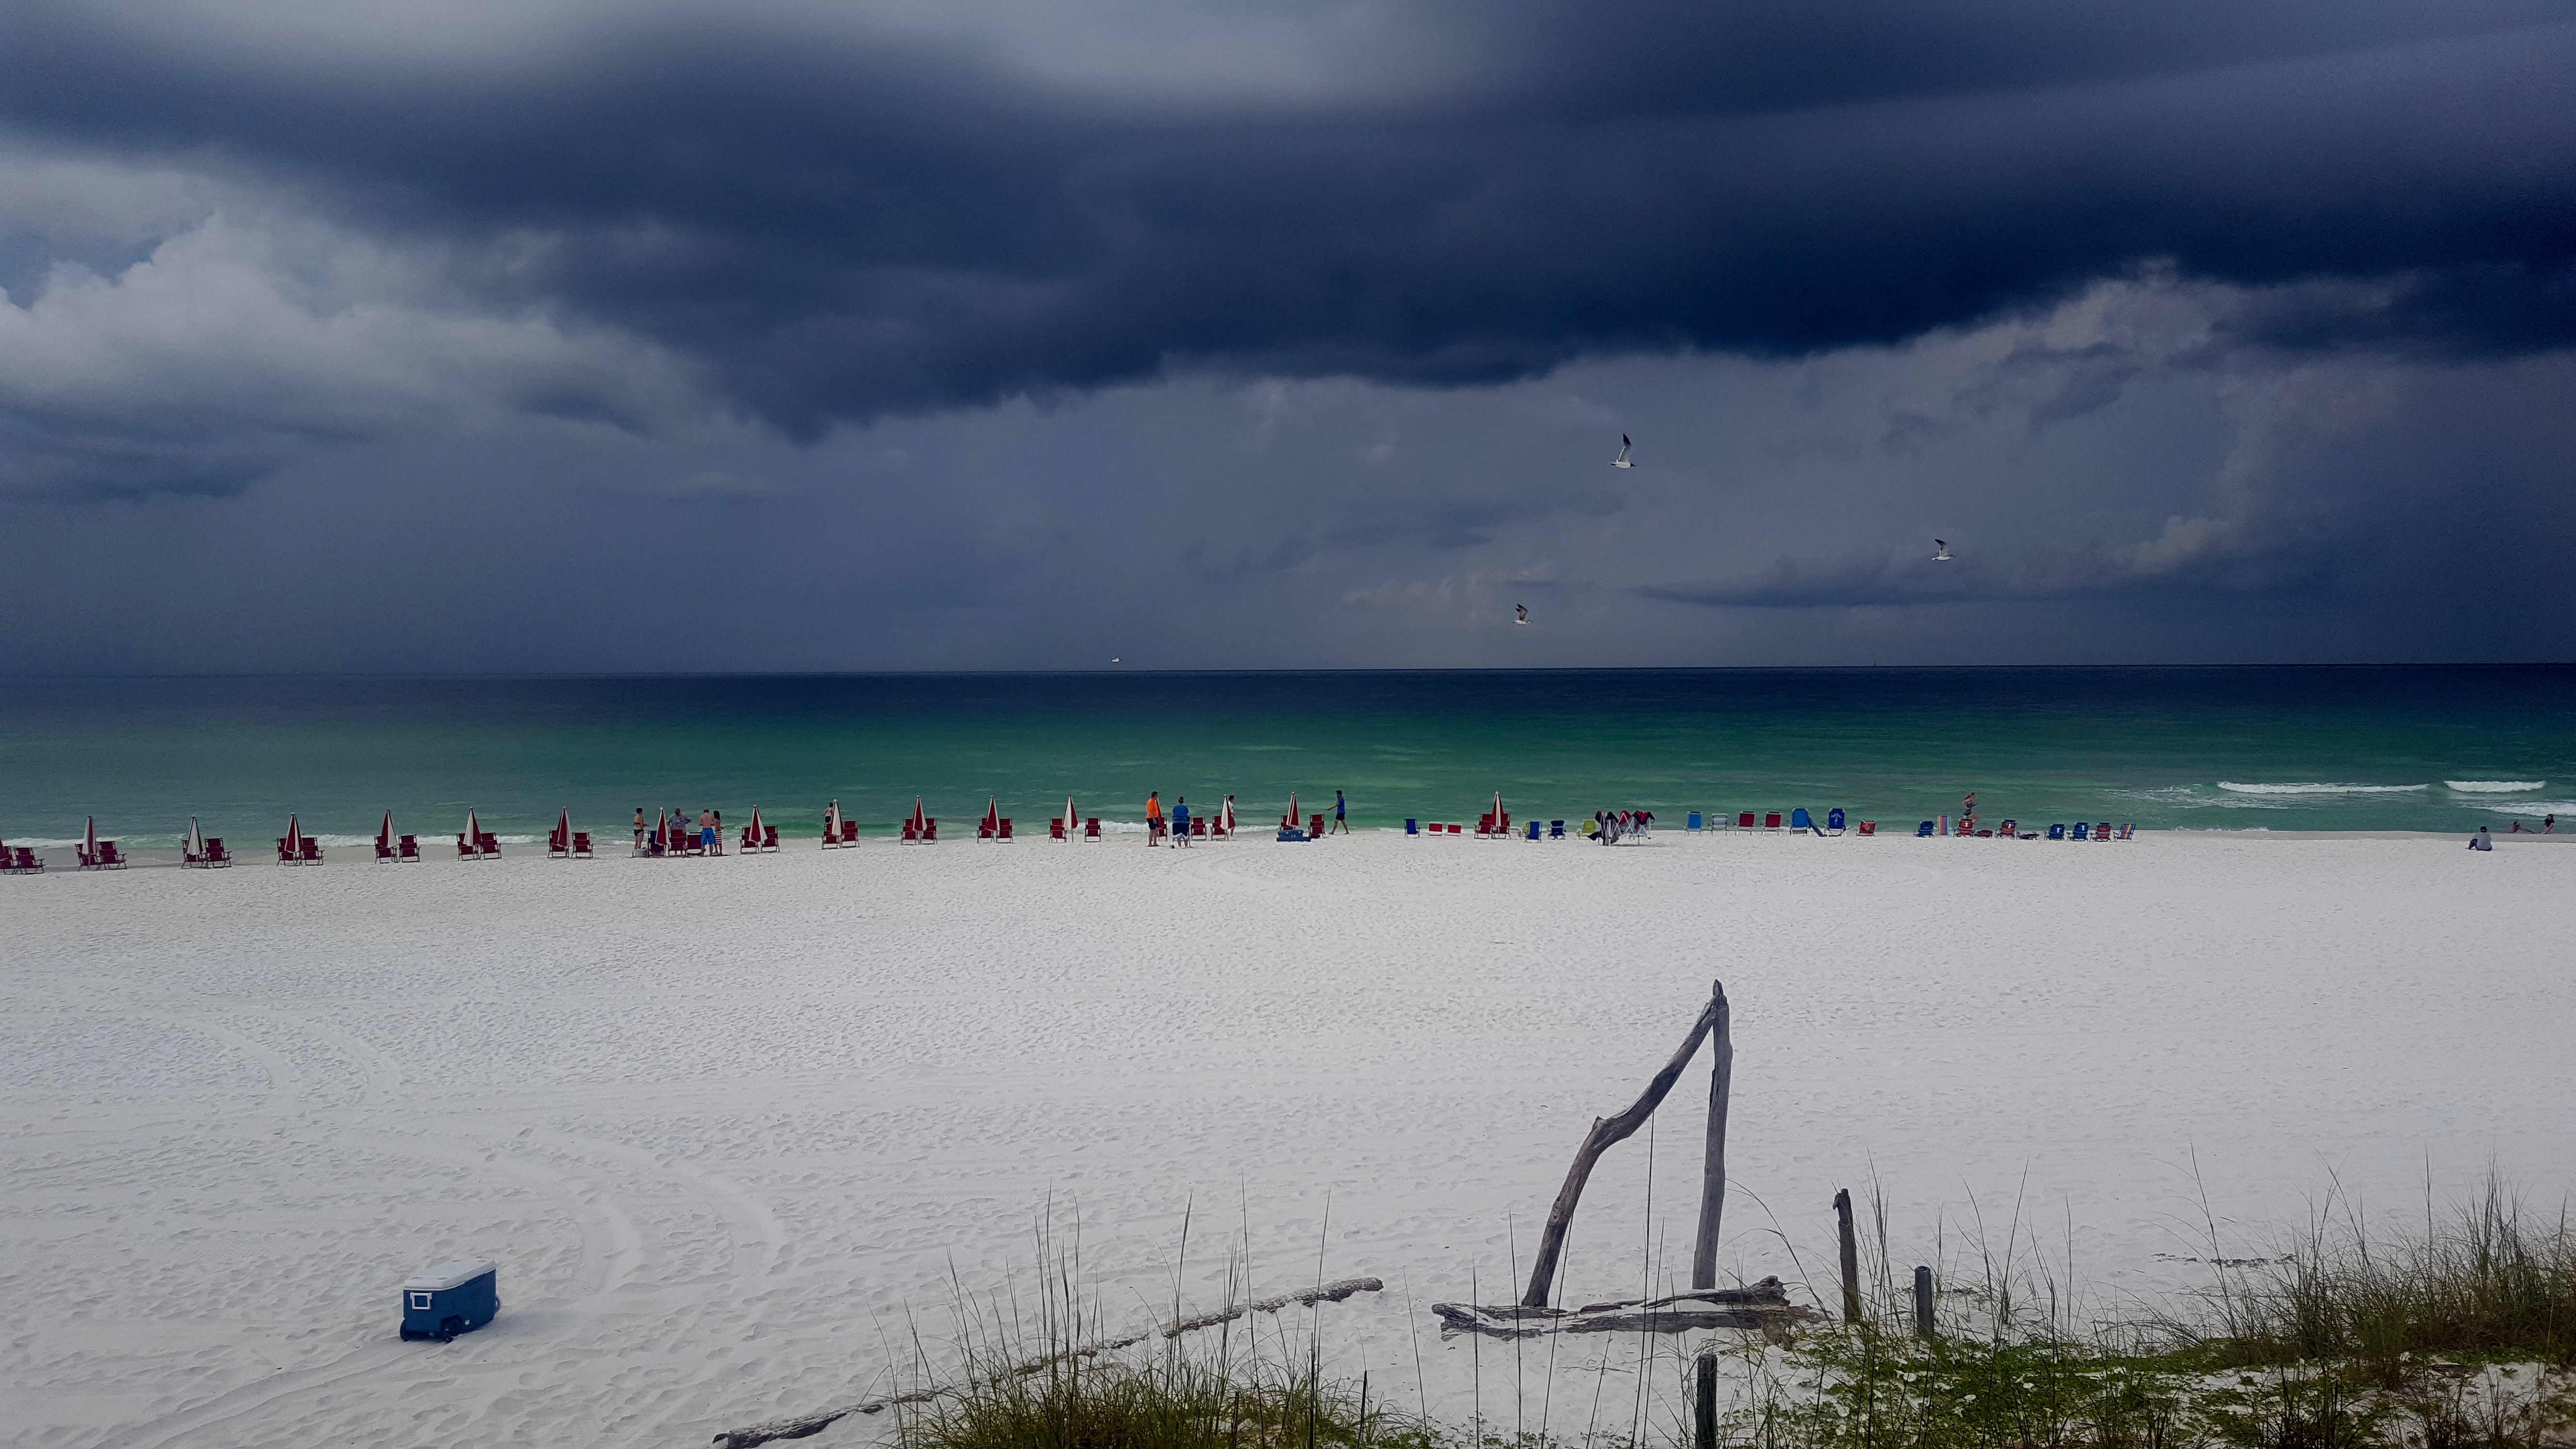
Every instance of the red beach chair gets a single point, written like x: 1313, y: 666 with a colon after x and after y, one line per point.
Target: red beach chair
x: 749, y: 842
x: 1055, y: 829
x: 384, y: 852
x: 1006, y: 829
x: 581, y: 845
x: 25, y: 861
x: 108, y: 859
x: 1771, y: 820
x: 768, y: 838
x: 930, y: 830
x: 215, y: 852
x: 1091, y: 828
x: 1744, y: 821
x: 1869, y: 827
x: 408, y: 848
x: 490, y: 844
x: 849, y: 832
x: 312, y: 851
x: 909, y: 833
x: 1198, y: 827
x: 1316, y: 832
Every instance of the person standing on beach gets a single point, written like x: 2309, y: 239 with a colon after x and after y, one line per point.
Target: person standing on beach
x: 1338, y: 807
x: 1181, y: 820
x: 1154, y: 818
x: 639, y: 830
x: 707, y: 831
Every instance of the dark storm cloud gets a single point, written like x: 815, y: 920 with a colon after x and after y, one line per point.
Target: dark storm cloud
x: 836, y: 218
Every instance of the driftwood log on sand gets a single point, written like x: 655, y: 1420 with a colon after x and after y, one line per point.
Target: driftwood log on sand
x: 804, y: 1424
x: 1765, y: 1306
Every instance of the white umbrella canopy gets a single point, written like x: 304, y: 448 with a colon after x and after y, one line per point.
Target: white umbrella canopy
x: 831, y: 820
x: 385, y: 832
x: 196, y: 838
x: 473, y: 833
x: 294, y: 835
x: 1072, y: 822
x: 756, y: 836
x: 1228, y: 814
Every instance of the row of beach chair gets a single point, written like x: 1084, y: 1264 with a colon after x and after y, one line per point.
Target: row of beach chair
x: 20, y: 860
x: 298, y: 850
x: 106, y: 857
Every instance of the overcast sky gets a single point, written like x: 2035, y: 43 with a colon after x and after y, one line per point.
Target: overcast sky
x: 555, y: 335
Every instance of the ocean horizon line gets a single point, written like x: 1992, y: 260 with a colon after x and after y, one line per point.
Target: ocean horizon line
x: 474, y: 676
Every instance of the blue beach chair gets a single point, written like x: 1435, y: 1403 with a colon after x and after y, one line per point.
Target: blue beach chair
x: 1412, y: 827
x: 2057, y: 832
x: 1533, y: 830
x: 1799, y: 819
x: 1692, y: 824
x: 1556, y: 830
x: 1923, y: 831
x: 1834, y: 820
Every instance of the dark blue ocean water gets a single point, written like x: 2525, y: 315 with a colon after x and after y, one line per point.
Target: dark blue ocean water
x: 2414, y: 748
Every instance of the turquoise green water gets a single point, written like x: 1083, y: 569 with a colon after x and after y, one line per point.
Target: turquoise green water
x: 2283, y: 749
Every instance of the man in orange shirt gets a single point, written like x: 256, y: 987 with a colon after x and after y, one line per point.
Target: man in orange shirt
x: 1154, y: 818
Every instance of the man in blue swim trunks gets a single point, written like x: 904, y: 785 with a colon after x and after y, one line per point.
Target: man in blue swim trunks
x: 1338, y: 807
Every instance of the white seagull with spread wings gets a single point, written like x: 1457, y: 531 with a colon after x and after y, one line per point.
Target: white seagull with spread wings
x: 1940, y: 551
x: 1520, y: 613
x: 1622, y: 460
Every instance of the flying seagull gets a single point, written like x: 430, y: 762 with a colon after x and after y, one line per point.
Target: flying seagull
x: 1941, y: 552
x: 1622, y: 460
x: 1520, y: 613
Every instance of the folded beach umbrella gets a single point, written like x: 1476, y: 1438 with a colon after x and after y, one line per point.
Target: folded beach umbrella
x: 1227, y: 814
x: 1498, y: 809
x: 1295, y: 820
x: 919, y: 819
x: 563, y: 827
x: 1071, y: 822
x: 294, y: 835
x: 473, y: 832
x: 662, y: 829
x: 89, y: 839
x: 992, y: 813
x: 831, y: 820
x: 755, y: 823
x: 196, y: 838
x: 385, y: 832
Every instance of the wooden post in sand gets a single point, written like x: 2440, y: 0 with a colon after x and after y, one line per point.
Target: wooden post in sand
x: 1923, y: 1302
x: 1851, y: 1255
x: 1712, y: 1202
x: 1605, y: 1132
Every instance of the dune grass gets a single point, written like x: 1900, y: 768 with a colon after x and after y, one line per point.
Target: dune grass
x: 2457, y: 1331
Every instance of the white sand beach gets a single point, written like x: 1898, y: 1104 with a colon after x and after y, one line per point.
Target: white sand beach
x: 728, y: 1125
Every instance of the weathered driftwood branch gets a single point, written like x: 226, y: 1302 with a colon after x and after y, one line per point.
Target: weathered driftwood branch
x: 1606, y: 1132
x: 1712, y: 1182
x: 1765, y: 1305
x: 802, y: 1425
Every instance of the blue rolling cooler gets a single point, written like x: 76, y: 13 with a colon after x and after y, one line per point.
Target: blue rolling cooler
x: 450, y: 1299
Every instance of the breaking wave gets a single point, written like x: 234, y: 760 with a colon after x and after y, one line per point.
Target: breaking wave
x: 2493, y: 787
x: 2233, y: 787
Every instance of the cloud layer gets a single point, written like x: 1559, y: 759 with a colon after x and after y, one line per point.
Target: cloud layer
x: 2166, y: 316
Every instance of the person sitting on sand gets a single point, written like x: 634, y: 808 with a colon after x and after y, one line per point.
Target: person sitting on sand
x: 2481, y: 840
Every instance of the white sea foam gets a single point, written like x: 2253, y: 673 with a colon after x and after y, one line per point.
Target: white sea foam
x: 2316, y: 789
x: 2532, y: 807
x: 2493, y: 787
